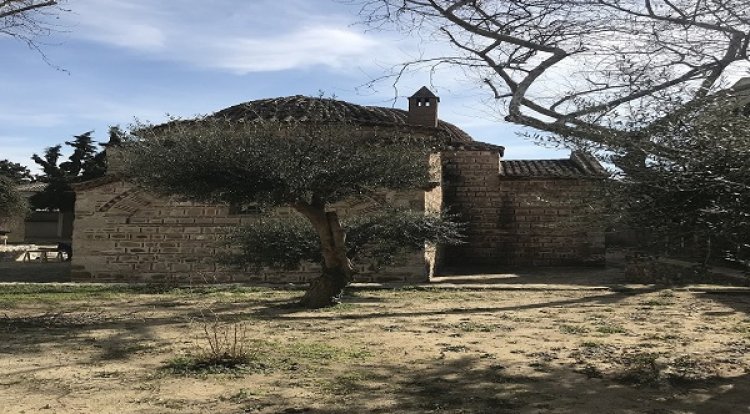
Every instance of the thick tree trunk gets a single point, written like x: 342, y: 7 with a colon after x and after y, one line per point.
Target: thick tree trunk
x: 326, y: 290
x: 337, y: 269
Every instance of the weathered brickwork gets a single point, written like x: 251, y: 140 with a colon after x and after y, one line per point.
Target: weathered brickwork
x: 433, y: 203
x: 518, y: 213
x: 123, y: 234
x: 519, y: 221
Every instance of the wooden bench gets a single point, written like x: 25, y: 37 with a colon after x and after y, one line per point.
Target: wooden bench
x: 44, y: 255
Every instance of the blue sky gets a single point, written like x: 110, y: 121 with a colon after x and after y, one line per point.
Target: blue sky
x: 142, y: 59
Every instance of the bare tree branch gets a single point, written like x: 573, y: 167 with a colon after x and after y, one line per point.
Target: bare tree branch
x: 615, y: 56
x: 29, y: 20
x: 18, y: 7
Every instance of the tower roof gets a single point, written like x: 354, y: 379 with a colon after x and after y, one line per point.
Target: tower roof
x: 424, y: 92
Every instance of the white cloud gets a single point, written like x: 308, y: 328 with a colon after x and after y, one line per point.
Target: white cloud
x: 134, y: 36
x: 118, y: 23
x: 257, y: 36
x: 327, y: 46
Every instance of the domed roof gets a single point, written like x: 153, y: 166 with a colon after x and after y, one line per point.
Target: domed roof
x: 322, y: 110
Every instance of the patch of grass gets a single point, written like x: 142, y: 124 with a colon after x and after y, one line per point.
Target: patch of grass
x: 206, y: 364
x: 170, y: 403
x: 319, y: 351
x: 225, y: 351
x: 107, y: 374
x: 641, y: 369
x: 14, y: 294
x: 510, y: 317
x: 591, y: 371
x: 433, y: 293
x: 454, y: 348
x: 345, y: 384
x: 573, y: 329
x: 259, y: 356
x: 123, y: 351
x: 540, y: 366
x: 657, y: 302
x: 662, y: 337
x: 475, y: 327
x: 341, y: 307
x: 53, y: 320
x: 51, y: 293
x: 610, y: 329
x: 685, y: 369
x: 242, y: 396
x: 591, y: 344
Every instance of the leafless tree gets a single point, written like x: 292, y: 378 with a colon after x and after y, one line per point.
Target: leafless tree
x: 577, y: 68
x: 27, y: 20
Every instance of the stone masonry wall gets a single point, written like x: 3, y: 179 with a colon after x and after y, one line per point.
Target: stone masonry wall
x: 123, y: 234
x: 433, y: 203
x: 518, y: 221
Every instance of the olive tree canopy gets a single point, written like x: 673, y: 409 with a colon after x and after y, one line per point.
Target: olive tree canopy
x: 306, y: 166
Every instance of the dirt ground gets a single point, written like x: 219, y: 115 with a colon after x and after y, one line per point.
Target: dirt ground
x: 34, y: 272
x: 113, y: 349
x: 14, y: 269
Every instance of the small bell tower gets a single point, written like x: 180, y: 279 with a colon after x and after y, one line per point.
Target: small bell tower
x: 423, y: 108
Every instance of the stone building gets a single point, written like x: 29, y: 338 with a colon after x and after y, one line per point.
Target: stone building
x: 519, y: 213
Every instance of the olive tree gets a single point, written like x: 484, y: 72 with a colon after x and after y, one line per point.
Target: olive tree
x: 693, y: 191
x: 309, y: 167
x: 12, y: 203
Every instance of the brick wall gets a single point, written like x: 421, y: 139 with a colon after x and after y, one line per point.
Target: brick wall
x: 518, y: 221
x: 433, y: 203
x: 123, y: 234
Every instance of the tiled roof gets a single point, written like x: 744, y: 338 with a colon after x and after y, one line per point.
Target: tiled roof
x: 577, y: 166
x: 424, y: 92
x: 95, y: 182
x: 474, y: 146
x: 309, y: 109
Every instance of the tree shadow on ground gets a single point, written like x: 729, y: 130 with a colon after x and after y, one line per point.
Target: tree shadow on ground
x: 291, y: 310
x: 578, y: 276
x: 127, y: 329
x: 738, y: 301
x: 472, y: 386
x: 119, y: 330
x: 25, y: 335
x: 47, y: 272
